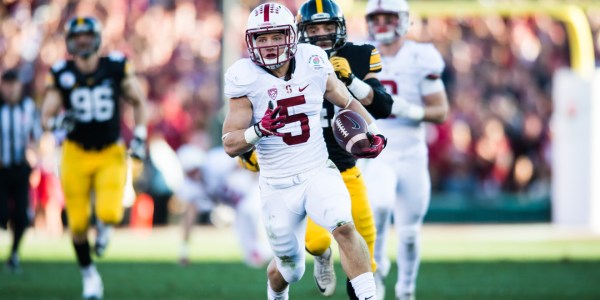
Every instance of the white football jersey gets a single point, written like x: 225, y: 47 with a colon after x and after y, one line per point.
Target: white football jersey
x: 301, y: 98
x: 402, y: 75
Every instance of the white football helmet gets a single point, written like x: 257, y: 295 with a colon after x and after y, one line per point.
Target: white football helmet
x: 270, y: 18
x: 384, y: 33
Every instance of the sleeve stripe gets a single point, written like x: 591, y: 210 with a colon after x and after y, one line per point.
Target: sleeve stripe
x: 376, y: 67
x: 375, y: 61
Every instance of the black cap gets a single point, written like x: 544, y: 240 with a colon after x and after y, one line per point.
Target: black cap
x: 10, y: 75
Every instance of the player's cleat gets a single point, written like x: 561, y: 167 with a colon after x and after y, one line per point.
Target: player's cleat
x: 103, y: 232
x: 92, y: 284
x: 13, y: 264
x: 324, y: 273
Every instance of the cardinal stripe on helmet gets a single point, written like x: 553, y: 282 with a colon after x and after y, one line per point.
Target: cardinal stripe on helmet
x: 319, y: 6
x: 266, y: 19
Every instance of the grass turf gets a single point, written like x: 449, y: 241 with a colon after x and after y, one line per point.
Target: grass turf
x: 438, y: 280
x: 490, y: 263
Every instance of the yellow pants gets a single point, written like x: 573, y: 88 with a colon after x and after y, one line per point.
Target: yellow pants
x: 318, y: 239
x: 83, y: 171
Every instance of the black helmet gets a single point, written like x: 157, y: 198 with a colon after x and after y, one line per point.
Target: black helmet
x: 85, y: 25
x: 322, y: 11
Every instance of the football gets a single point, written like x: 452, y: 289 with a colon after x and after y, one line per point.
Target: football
x: 350, y: 131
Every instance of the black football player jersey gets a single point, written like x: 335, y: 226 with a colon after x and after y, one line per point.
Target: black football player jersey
x: 93, y: 98
x: 363, y: 59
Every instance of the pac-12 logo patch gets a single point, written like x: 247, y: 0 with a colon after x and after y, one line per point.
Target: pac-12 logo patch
x: 272, y: 93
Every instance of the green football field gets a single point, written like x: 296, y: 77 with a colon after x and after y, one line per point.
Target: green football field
x: 459, y: 262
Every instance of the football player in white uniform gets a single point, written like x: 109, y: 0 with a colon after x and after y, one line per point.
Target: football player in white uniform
x: 276, y: 97
x: 229, y: 183
x: 412, y: 77
x: 192, y: 193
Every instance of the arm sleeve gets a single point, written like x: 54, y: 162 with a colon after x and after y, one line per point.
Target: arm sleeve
x: 375, y: 64
x: 381, y: 107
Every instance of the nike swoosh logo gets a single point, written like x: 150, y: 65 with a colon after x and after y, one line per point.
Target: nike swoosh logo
x: 318, y: 286
x: 355, y: 125
x: 303, y: 88
x: 369, y: 298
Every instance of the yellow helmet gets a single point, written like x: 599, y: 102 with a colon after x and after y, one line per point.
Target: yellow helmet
x: 249, y: 161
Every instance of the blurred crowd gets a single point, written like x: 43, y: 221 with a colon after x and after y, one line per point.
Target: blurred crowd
x: 175, y: 47
x: 498, y: 77
x: 499, y: 81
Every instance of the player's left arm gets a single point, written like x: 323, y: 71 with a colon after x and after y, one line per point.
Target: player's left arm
x: 133, y: 94
x: 368, y: 90
x: 337, y: 94
x: 381, y: 105
x: 434, y: 106
x: 435, y: 103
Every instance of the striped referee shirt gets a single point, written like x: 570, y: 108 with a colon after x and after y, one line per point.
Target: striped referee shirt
x: 19, y: 126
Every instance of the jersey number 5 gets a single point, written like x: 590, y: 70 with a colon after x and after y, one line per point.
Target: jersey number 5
x: 288, y: 138
x: 93, y: 103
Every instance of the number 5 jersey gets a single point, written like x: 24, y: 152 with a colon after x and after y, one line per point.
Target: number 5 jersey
x: 302, y: 148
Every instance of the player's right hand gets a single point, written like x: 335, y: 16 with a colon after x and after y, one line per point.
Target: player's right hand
x: 342, y: 69
x: 378, y: 143
x: 64, y: 121
x: 270, y: 122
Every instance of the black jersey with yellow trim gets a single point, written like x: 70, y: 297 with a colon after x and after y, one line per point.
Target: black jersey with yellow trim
x: 363, y: 59
x: 93, y: 98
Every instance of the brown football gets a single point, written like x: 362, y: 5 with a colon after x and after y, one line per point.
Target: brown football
x: 350, y: 131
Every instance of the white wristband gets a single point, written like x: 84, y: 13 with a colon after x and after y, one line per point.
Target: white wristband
x: 359, y: 88
x: 415, y: 112
x: 404, y: 109
x: 140, y: 132
x: 251, y: 136
x: 373, y: 128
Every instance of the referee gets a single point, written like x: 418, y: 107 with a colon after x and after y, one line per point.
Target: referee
x: 19, y: 127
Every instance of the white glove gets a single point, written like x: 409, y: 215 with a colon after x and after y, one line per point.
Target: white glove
x: 403, y: 109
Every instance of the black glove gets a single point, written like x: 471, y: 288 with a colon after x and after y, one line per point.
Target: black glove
x: 64, y: 121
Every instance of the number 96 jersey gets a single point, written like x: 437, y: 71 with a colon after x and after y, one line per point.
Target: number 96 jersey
x: 93, y: 98
x: 302, y: 148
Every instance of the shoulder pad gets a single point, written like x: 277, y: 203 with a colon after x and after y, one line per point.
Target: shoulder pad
x: 240, y: 73
x: 116, y: 56
x: 238, y: 78
x: 429, y: 59
x: 59, y: 65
